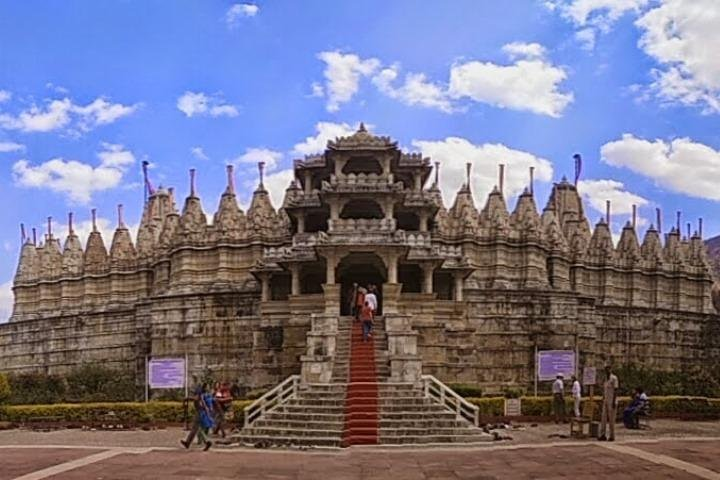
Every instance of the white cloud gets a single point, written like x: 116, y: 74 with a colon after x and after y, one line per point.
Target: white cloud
x: 255, y: 155
x: 597, y: 192
x: 324, y: 131
x: 594, y: 16
x: 198, y: 103
x: 531, y: 85
x: 454, y: 152
x: 680, y: 165
x: 199, y: 153
x: 75, y: 179
x: 343, y: 72
x: 524, y: 50
x: 5, y: 96
x: 317, y: 90
x: 238, y: 11
x: 680, y: 35
x: 11, y: 147
x: 416, y: 90
x: 276, y: 183
x: 6, y: 300
x: 58, y: 114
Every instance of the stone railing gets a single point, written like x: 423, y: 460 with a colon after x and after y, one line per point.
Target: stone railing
x: 360, y: 225
x: 284, y: 254
x: 277, y: 396
x: 418, y: 239
x: 444, y: 395
x: 362, y: 182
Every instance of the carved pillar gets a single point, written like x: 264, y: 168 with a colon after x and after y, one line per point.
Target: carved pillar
x: 423, y: 221
x: 389, y: 209
x: 459, y: 284
x: 428, y: 270
x: 308, y: 181
x: 301, y: 222
x: 392, y: 268
x: 334, y: 209
x: 295, y: 279
x: 330, y: 264
x: 418, y: 182
x: 265, y: 284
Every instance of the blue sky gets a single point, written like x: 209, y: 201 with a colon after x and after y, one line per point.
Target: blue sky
x: 88, y: 90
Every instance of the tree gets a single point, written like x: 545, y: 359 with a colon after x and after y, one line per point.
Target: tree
x: 4, y: 388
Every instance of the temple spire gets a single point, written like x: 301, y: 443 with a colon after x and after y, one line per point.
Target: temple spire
x: 679, y: 214
x: 261, y: 171
x: 49, y: 228
x: 501, y: 179
x: 634, y: 216
x: 437, y: 174
x: 22, y: 233
x: 468, y: 167
x: 121, y: 222
x: 532, y: 180
x: 71, y: 231
x: 230, y: 179
x: 658, y: 215
x: 362, y: 127
x: 700, y: 227
x: 34, y: 236
x: 607, y: 212
x: 93, y: 214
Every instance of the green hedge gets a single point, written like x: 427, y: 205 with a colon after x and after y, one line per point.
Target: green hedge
x: 660, y: 406
x: 125, y: 412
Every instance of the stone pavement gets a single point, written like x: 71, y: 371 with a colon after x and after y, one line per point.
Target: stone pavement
x: 124, y: 455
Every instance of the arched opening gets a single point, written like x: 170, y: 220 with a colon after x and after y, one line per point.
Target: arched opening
x: 312, y: 277
x: 407, y: 220
x: 317, y: 221
x: 362, y: 165
x: 280, y: 286
x: 363, y: 268
x: 362, y: 209
x: 411, y: 277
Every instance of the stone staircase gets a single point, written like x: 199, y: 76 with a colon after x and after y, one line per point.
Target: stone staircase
x: 359, y: 406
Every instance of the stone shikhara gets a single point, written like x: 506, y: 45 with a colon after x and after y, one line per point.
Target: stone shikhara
x: 470, y: 294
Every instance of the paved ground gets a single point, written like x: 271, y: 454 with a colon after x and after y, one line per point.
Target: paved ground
x: 675, y: 450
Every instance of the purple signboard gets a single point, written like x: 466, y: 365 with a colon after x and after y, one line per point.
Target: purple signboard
x: 553, y: 362
x: 166, y: 373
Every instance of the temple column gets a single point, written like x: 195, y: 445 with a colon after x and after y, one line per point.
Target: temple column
x: 295, y: 279
x: 418, y: 182
x: 330, y: 264
x: 459, y: 284
x: 423, y: 222
x: 334, y: 209
x: 428, y: 270
x: 301, y: 223
x: 308, y: 181
x: 265, y: 285
x: 392, y: 268
x: 389, y: 209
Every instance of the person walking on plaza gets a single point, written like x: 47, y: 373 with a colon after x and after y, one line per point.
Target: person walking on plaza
x: 223, y: 400
x: 366, y: 317
x: 203, y: 419
x: 576, y: 395
x: 607, y: 419
x: 558, y: 399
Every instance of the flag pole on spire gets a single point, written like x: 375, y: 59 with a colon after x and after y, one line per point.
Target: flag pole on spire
x: 149, y: 190
x: 578, y: 167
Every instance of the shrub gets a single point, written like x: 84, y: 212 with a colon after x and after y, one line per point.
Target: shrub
x: 4, y: 388
x: 489, y: 406
x: 97, y: 383
x: 466, y: 389
x: 694, y: 381
x: 36, y: 388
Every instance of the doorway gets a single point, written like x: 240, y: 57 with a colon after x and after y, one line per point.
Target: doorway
x: 363, y: 268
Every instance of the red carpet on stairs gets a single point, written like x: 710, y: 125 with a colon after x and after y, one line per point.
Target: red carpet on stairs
x: 361, y: 402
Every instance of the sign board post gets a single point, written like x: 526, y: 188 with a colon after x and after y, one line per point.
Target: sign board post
x: 590, y: 379
x: 165, y: 373
x: 552, y: 363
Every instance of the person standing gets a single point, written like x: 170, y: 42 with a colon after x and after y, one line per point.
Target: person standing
x: 223, y: 401
x: 576, y: 395
x: 359, y: 299
x: 202, y: 421
x: 366, y: 317
x: 558, y: 399
x: 607, y: 418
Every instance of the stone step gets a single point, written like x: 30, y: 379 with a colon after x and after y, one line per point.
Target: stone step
x: 299, y: 424
x: 428, y: 439
x: 290, y: 432
x: 304, y: 417
x: 287, y: 441
x: 311, y: 409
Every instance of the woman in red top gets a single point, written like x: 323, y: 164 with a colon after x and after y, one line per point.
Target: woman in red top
x: 359, y: 301
x: 366, y: 317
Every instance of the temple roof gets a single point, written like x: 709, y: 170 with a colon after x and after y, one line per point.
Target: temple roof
x: 362, y: 140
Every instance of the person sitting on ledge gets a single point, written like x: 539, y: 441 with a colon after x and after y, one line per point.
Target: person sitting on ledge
x: 638, y: 407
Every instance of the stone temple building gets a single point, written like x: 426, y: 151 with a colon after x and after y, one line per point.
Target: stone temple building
x: 467, y: 295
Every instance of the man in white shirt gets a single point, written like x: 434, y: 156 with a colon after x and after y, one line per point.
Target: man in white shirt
x: 558, y: 399
x: 576, y: 395
x: 371, y: 298
x: 609, y: 405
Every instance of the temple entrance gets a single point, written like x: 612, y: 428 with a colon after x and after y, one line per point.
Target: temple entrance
x: 363, y: 268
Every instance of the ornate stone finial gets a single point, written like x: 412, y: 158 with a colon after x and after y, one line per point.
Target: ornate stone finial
x: 22, y: 233
x: 362, y: 127
x: 49, y: 228
x: 634, y: 216
x: 532, y: 180
x: 679, y: 214
x: 230, y: 179
x: 688, y: 230
x: 658, y: 215
x: 121, y: 223
x: 71, y: 231
x: 93, y: 213
x: 437, y: 173
x: 468, y: 167
x: 192, y: 182
x: 700, y: 227
x: 607, y: 212
x: 34, y: 236
x: 261, y: 174
x: 501, y: 179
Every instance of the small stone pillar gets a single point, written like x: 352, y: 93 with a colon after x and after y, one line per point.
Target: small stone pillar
x: 405, y: 363
x: 265, y: 285
x: 332, y: 298
x: 392, y: 268
x: 294, y: 279
x: 423, y: 222
x: 317, y: 363
x: 428, y: 271
x: 418, y: 182
x: 308, y: 181
x: 301, y: 223
x: 459, y: 285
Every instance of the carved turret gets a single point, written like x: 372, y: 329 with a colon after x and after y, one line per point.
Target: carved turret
x: 601, y: 249
x: 651, y: 249
x: 494, y: 214
x: 552, y: 232
x: 261, y: 216
x: 672, y: 253
x: 627, y: 253
x: 193, y: 222
x: 122, y: 250
x: 229, y: 220
x: 28, y: 265
x: 96, y: 257
x: 463, y: 217
x: 50, y: 255
x: 525, y: 219
x: 565, y: 201
x: 72, y: 261
x: 156, y: 208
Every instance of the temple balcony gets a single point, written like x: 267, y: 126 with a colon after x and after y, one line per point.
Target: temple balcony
x: 360, y: 225
x: 362, y: 183
x: 421, y: 199
x: 299, y: 199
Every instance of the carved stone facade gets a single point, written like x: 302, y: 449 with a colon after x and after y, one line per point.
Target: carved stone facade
x: 468, y: 295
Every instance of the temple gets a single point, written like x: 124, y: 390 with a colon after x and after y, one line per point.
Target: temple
x: 467, y: 295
